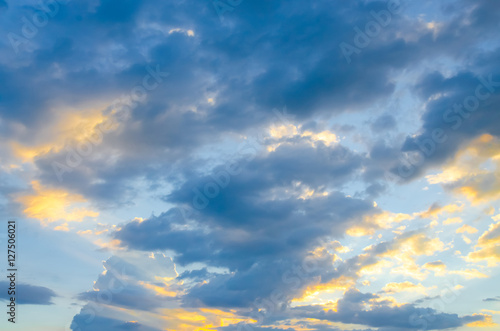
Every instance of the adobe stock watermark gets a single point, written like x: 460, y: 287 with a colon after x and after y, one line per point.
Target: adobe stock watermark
x: 221, y: 7
x: 455, y: 116
x: 246, y: 153
x: 372, y: 29
x: 125, y: 104
x: 30, y: 25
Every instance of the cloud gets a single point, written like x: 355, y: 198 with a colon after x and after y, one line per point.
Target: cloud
x: 195, y: 274
x: 132, y: 282
x: 182, y: 89
x: 497, y: 298
x: 446, y: 130
x: 435, y: 210
x: 453, y: 220
x: 466, y: 229
x: 488, y: 248
x: 83, y: 322
x: 261, y: 214
x: 403, y: 317
x: 384, y: 123
x: 469, y: 273
x: 207, y: 66
x: 50, y: 205
x: 438, y: 267
x: 29, y: 294
x: 82, y: 78
x: 487, y: 322
x: 404, y: 286
x: 461, y: 175
x: 371, y: 223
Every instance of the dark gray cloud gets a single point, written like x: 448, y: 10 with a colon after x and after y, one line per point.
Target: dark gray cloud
x: 28, y: 294
x: 497, y: 298
x: 383, y: 315
x: 256, y: 226
x: 88, y: 320
x: 248, y: 68
x: 262, y: 55
x: 465, y: 109
x: 263, y: 252
x: 383, y: 123
x: 258, y: 254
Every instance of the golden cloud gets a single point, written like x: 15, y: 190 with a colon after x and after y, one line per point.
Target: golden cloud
x: 50, y: 205
x: 488, y: 246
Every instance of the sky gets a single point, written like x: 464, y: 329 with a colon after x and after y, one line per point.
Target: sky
x: 251, y: 165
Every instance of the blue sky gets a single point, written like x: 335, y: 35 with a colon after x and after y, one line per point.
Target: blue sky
x: 252, y: 165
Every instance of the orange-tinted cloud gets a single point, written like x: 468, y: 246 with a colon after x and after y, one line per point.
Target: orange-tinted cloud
x: 50, y: 205
x: 71, y: 127
x: 465, y: 174
x: 488, y: 246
